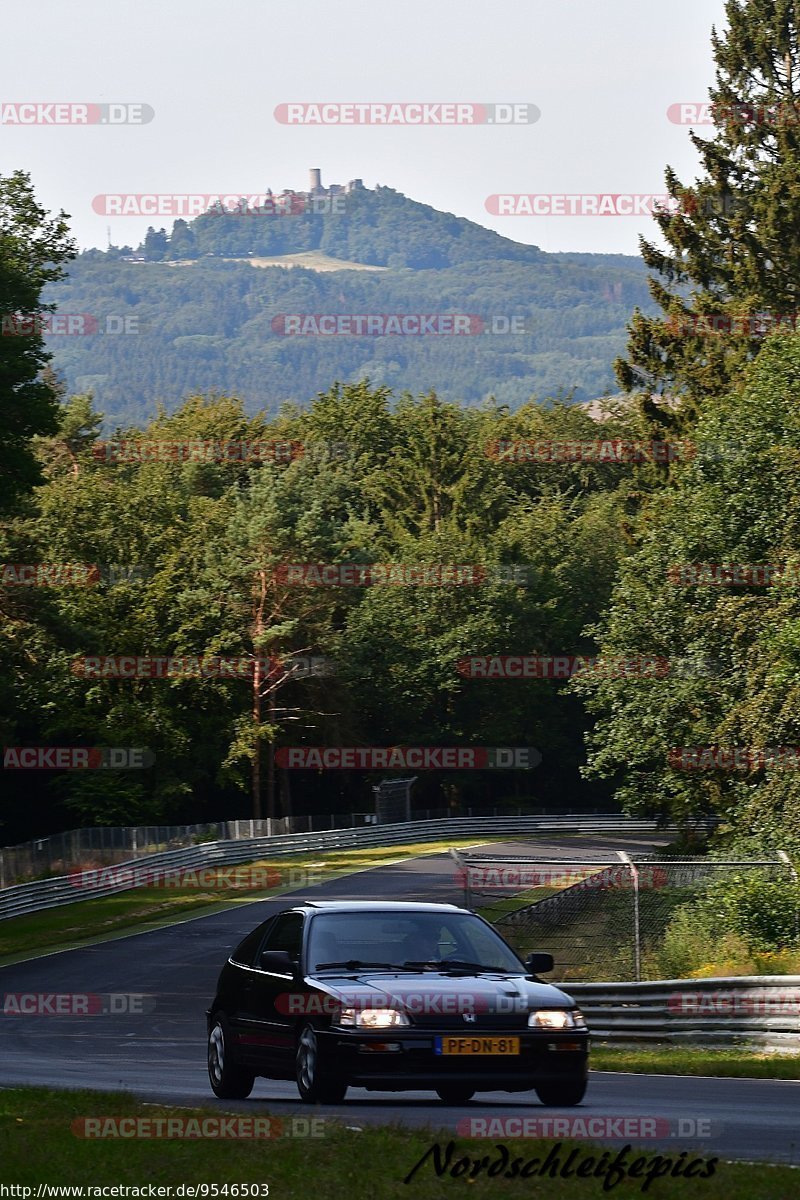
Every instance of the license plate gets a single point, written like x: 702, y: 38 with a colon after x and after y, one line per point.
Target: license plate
x: 477, y: 1045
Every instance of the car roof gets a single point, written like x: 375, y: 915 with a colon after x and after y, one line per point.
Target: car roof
x: 400, y: 906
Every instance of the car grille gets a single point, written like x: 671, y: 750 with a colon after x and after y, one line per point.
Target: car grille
x: 483, y: 1021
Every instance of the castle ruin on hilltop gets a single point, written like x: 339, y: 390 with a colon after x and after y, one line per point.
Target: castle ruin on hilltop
x: 316, y: 189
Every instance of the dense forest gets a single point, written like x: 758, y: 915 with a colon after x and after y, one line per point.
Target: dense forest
x: 199, y: 322
x: 189, y: 557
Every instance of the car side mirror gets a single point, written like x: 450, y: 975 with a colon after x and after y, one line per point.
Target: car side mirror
x: 279, y: 961
x: 538, y: 964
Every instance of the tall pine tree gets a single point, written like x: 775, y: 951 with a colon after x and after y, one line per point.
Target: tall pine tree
x: 732, y: 262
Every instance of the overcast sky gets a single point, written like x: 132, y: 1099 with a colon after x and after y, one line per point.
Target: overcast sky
x: 602, y: 74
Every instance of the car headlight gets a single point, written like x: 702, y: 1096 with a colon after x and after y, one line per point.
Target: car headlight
x: 373, y: 1018
x: 557, y: 1018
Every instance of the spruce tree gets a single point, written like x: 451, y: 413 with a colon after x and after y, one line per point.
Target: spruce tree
x: 731, y: 268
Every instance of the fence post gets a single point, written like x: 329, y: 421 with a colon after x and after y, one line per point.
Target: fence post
x: 458, y: 859
x: 784, y: 857
x: 637, y: 946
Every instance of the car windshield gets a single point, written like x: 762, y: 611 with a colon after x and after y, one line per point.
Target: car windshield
x: 413, y: 940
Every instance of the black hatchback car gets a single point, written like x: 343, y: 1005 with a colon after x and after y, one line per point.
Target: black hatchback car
x: 391, y: 997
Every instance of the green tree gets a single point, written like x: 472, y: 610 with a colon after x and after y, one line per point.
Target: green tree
x: 156, y: 244
x: 78, y: 430
x: 733, y: 245
x: 33, y: 246
x: 734, y: 650
x: 182, y: 243
x: 240, y: 604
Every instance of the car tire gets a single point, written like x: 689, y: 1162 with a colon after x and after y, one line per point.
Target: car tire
x: 455, y: 1093
x: 561, y: 1093
x: 228, y: 1080
x: 313, y: 1083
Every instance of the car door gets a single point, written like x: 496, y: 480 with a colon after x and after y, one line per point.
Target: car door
x: 238, y: 994
x: 270, y: 1020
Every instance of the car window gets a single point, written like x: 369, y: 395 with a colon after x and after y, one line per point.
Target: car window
x: 245, y: 953
x: 286, y: 934
x: 398, y: 937
x: 481, y: 944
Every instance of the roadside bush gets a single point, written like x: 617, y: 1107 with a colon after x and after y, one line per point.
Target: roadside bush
x: 693, y: 939
x: 736, y: 920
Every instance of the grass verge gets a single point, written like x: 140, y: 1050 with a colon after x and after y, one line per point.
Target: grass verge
x: 88, y: 921
x: 38, y: 1145
x: 698, y: 1060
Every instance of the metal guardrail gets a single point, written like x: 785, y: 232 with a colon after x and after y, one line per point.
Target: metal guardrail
x: 60, y: 853
x: 50, y: 893
x: 750, y: 1010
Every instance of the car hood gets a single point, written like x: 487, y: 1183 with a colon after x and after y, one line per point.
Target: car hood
x: 481, y: 993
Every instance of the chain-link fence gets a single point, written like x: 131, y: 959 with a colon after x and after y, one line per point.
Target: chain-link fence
x: 600, y: 919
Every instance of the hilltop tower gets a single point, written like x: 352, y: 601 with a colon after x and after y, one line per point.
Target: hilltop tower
x: 315, y: 180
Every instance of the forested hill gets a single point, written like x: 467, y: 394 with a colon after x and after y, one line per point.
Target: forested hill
x: 379, y: 227
x: 192, y: 319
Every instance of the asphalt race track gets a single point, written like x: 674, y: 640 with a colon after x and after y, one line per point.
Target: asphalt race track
x: 160, y: 1055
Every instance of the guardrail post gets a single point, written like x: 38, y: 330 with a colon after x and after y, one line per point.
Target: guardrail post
x: 637, y: 945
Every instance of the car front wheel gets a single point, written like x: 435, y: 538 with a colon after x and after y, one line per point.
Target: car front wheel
x: 229, y: 1081
x: 561, y: 1093
x: 313, y: 1083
